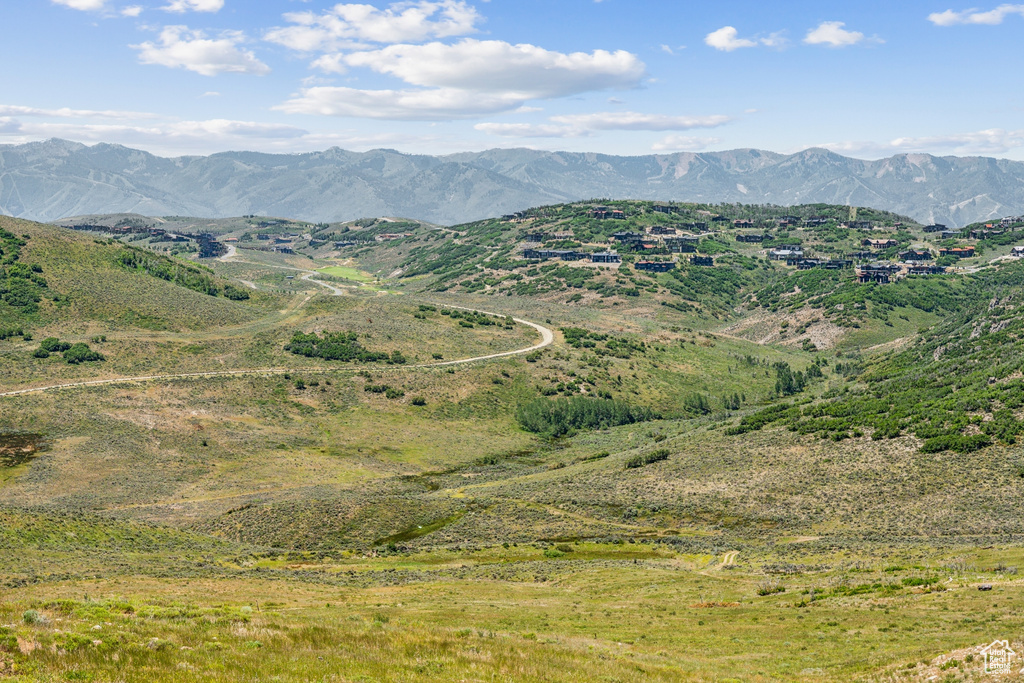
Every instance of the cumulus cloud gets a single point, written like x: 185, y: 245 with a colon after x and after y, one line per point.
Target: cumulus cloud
x: 832, y: 34
x: 974, y: 16
x: 580, y: 125
x: 345, y: 26
x: 727, y: 40
x: 84, y: 5
x: 467, y: 79
x: 682, y: 143
x: 530, y: 130
x: 630, y: 120
x: 68, y: 113
x: 437, y: 104
x: 131, y: 11
x: 182, y: 48
x: 496, y: 66
x: 982, y: 142
x: 181, y: 6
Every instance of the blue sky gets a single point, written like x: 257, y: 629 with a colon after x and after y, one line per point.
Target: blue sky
x: 864, y: 78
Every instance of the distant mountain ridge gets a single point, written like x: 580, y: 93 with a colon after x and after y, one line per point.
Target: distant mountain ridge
x: 46, y: 181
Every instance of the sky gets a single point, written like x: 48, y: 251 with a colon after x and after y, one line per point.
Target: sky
x: 864, y: 78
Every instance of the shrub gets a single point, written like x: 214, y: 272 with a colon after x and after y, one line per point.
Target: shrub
x: 54, y: 345
x: 33, y: 617
x: 81, y: 353
x: 644, y: 459
x: 419, y: 401
x: 563, y: 416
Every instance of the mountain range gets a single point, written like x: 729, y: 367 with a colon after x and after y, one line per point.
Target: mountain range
x: 55, y: 179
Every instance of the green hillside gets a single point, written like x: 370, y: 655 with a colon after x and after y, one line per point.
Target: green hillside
x: 373, y: 468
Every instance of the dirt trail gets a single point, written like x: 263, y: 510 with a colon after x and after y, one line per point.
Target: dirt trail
x: 547, y: 338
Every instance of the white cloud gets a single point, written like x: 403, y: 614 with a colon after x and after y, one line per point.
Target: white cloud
x: 682, y: 143
x: 629, y: 120
x: 726, y: 39
x: 529, y: 130
x: 833, y: 34
x: 973, y: 16
x: 580, y: 125
x: 84, y: 5
x: 467, y: 79
x: 438, y: 104
x: 345, y: 26
x: 526, y: 71
x: 983, y: 142
x: 181, y: 6
x: 68, y: 113
x: 180, y: 47
x: 131, y: 11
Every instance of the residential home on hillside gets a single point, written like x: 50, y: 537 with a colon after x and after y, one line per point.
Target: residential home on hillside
x: 784, y: 254
x: 655, y: 266
x: 934, y: 227
x: 959, y: 252
x: 816, y: 221
x: 605, y: 257
x: 742, y: 223
x: 876, y: 272
x: 925, y: 269
x: 683, y: 244
x: 702, y: 260
x: 628, y: 237
x: 1018, y: 252
x: 879, y: 244
x: 915, y: 255
x: 662, y: 230
x: 534, y: 237
x: 753, y: 239
x: 664, y: 208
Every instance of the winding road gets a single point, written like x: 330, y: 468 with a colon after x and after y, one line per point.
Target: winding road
x: 547, y: 337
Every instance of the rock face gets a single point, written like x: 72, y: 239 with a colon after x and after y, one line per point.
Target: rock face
x: 55, y: 179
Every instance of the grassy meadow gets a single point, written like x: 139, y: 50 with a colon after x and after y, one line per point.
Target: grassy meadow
x: 323, y: 520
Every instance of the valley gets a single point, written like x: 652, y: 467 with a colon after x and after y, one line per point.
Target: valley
x: 602, y: 440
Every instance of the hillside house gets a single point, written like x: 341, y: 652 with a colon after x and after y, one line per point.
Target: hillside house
x: 787, y: 221
x: 985, y: 233
x: 753, y: 239
x: 655, y: 266
x: 958, y: 252
x: 534, y: 237
x: 915, y: 255
x: 876, y: 272
x: 600, y: 212
x: 682, y: 244
x: 934, y: 227
x: 628, y: 237
x: 925, y: 269
x: 605, y: 257
x: 879, y: 244
x: 802, y: 263
x: 950, y: 234
x: 816, y: 221
x: 619, y: 215
x: 662, y: 230
x: 702, y: 261
x: 784, y: 254
x: 664, y: 208
x: 1018, y: 252
x: 545, y: 254
x: 742, y: 223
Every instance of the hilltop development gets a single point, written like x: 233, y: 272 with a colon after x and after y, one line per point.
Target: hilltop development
x: 604, y: 440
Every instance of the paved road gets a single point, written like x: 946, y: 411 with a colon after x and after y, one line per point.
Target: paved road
x: 547, y: 338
